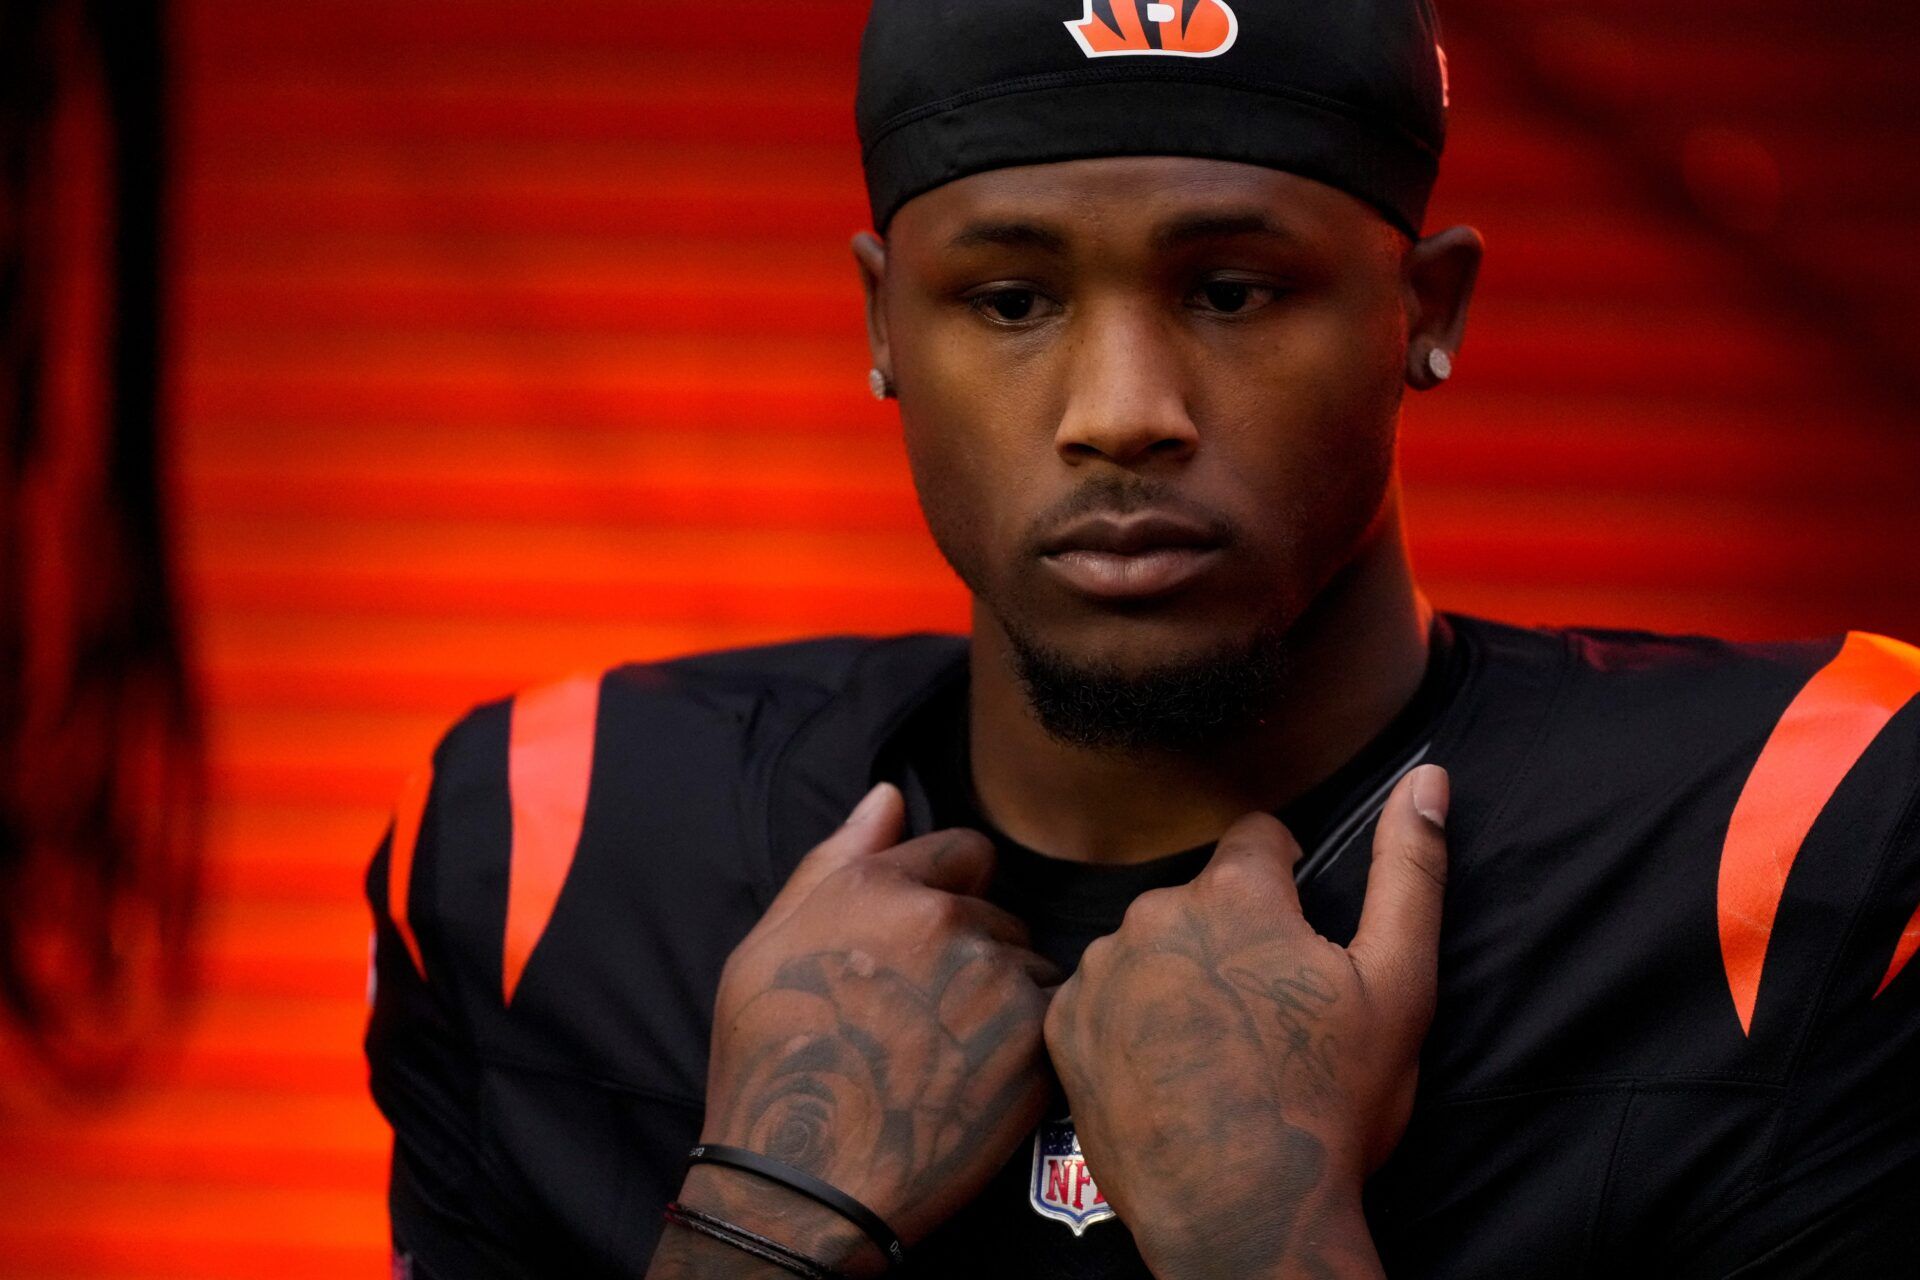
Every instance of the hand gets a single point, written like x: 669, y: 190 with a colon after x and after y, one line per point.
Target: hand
x: 881, y: 1026
x: 1233, y: 1075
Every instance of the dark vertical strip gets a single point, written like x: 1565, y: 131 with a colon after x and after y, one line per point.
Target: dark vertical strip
x: 29, y: 70
x: 99, y: 735
x: 133, y: 60
x: 26, y: 94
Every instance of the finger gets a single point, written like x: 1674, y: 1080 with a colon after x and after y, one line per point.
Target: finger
x: 996, y: 922
x: 1255, y: 858
x: 993, y: 986
x: 992, y: 967
x: 1046, y: 975
x: 1000, y: 1028
x: 1398, y: 941
x: 956, y: 860
x: 873, y: 825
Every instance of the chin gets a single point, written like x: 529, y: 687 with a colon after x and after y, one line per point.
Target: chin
x: 1211, y: 620
x: 1139, y: 645
x: 1159, y: 686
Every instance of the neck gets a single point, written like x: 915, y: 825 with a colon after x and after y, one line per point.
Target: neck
x: 1357, y: 657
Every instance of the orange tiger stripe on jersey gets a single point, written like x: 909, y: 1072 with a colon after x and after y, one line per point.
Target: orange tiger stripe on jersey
x: 549, y: 764
x: 1909, y: 942
x: 409, y: 811
x: 1826, y: 729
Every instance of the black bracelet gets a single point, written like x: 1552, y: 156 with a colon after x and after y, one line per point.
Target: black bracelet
x: 810, y: 1187
x: 748, y: 1242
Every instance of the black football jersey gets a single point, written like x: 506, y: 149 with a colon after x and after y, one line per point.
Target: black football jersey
x: 1678, y: 1032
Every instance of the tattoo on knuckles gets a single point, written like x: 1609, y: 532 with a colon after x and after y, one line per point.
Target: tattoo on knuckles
x: 857, y: 1074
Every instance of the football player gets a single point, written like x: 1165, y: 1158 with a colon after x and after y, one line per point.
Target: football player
x: 1215, y: 907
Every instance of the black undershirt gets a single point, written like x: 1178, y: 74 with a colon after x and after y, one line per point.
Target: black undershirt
x: 1068, y: 904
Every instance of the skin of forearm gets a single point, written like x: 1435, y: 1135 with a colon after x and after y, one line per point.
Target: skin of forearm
x: 765, y: 1209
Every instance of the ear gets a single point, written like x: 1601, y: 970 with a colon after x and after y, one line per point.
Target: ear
x: 870, y: 255
x: 1440, y: 274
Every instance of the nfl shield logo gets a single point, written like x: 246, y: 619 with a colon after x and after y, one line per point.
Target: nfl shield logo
x: 1062, y: 1188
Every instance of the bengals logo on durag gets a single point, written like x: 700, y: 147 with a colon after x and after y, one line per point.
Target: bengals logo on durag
x: 1182, y: 29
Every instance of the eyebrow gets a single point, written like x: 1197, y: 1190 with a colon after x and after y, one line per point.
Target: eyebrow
x: 1008, y: 235
x: 1013, y: 234
x: 1219, y: 226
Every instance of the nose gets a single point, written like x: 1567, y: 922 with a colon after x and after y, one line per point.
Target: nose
x: 1126, y: 398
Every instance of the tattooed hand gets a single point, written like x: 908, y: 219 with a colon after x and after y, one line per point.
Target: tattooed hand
x: 1233, y: 1075
x: 879, y: 1028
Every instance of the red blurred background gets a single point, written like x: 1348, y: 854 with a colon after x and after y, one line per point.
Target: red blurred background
x: 512, y: 337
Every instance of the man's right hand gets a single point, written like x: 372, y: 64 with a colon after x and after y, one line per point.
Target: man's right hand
x: 880, y: 1027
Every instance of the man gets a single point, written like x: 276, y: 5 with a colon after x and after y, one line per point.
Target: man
x: 1053, y: 950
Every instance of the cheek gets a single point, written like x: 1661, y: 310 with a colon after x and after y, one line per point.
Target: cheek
x: 1351, y: 414
x: 964, y: 485
x: 943, y: 478
x: 1317, y: 452
x: 973, y: 449
x: 1347, y: 361
x: 1366, y: 413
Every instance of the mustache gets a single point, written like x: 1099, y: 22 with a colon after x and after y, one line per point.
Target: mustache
x: 1122, y: 497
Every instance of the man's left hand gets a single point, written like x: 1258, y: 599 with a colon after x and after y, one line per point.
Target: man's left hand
x: 1233, y: 1075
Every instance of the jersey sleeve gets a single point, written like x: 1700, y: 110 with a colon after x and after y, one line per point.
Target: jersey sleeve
x: 1839, y: 1192
x: 450, y: 1220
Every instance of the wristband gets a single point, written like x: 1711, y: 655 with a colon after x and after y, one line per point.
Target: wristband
x: 809, y: 1186
x: 748, y: 1242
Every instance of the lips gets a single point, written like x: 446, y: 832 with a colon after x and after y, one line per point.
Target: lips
x: 1133, y: 557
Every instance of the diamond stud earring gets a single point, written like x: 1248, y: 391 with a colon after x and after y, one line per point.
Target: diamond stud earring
x: 877, y: 383
x: 1439, y: 364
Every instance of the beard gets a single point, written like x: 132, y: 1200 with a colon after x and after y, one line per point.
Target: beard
x: 1185, y: 703
x: 1182, y: 704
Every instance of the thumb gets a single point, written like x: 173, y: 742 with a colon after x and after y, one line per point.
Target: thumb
x: 1397, y: 945
x: 874, y: 824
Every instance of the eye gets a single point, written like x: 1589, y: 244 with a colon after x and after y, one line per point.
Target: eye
x: 1232, y: 297
x: 1009, y: 306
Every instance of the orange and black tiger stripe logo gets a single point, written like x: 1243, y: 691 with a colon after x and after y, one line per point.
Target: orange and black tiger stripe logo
x: 1181, y: 28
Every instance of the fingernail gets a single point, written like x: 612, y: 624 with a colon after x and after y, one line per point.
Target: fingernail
x: 869, y: 804
x: 1431, y: 794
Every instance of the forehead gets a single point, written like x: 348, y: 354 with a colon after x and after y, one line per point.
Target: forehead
x: 1129, y: 200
